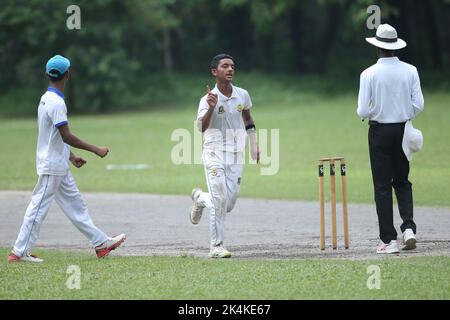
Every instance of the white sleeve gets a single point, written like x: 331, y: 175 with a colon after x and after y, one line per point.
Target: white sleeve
x: 248, y: 101
x: 416, y: 94
x: 58, y: 114
x: 203, y: 107
x: 364, y: 97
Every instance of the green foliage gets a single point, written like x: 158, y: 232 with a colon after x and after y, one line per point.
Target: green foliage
x: 121, y: 43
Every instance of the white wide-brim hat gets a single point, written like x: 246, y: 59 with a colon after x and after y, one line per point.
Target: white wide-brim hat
x: 386, y: 38
x: 412, y: 140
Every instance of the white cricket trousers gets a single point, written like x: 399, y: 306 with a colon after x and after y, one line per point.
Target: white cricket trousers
x: 65, y: 191
x: 223, y: 172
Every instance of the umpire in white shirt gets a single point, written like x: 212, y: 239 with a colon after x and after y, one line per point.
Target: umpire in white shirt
x: 389, y: 96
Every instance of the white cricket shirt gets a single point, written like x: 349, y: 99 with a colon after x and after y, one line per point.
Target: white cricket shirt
x: 52, y: 154
x: 226, y: 131
x: 390, y: 92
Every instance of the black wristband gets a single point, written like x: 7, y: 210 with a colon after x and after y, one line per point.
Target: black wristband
x: 250, y: 126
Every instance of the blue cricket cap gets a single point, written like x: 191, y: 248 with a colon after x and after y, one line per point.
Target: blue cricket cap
x: 57, y: 65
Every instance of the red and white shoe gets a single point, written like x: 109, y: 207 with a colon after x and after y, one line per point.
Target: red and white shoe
x: 111, y: 244
x: 27, y: 258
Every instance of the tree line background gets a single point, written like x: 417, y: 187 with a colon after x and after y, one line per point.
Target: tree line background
x: 134, y: 53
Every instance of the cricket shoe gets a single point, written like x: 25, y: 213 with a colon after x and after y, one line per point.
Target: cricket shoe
x: 196, y: 210
x: 111, y: 244
x: 219, y: 252
x: 390, y: 247
x: 409, y: 240
x: 27, y: 258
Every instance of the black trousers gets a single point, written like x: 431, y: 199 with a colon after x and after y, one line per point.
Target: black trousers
x: 390, y: 169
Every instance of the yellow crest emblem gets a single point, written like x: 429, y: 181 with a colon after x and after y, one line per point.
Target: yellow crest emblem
x: 240, y: 107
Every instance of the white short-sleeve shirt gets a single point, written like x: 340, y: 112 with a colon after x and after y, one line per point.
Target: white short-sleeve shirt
x: 226, y: 131
x: 52, y: 154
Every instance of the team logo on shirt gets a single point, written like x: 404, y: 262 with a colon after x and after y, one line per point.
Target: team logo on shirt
x: 213, y: 172
x: 221, y: 110
x: 240, y: 107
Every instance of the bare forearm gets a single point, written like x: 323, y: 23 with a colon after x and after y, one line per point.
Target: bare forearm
x: 249, y: 122
x: 247, y: 117
x: 76, y: 142
x: 251, y: 132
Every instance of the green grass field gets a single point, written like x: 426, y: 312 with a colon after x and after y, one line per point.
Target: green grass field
x: 310, y: 126
x: 167, y: 278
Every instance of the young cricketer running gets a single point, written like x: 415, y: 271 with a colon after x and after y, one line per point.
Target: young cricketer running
x: 224, y: 117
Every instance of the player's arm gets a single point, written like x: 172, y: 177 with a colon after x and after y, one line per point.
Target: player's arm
x: 417, y: 96
x: 364, y: 97
x: 75, y: 142
x: 207, y: 119
x: 76, y: 161
x: 211, y: 99
x: 248, y: 120
x: 251, y: 131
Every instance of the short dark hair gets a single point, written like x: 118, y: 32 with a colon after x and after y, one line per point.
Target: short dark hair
x: 58, y: 76
x: 387, y: 52
x: 215, y: 61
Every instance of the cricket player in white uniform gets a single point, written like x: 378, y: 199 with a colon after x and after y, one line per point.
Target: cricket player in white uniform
x: 224, y: 117
x: 55, y: 180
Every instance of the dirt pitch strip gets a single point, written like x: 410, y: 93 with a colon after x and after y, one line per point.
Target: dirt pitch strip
x: 256, y: 228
